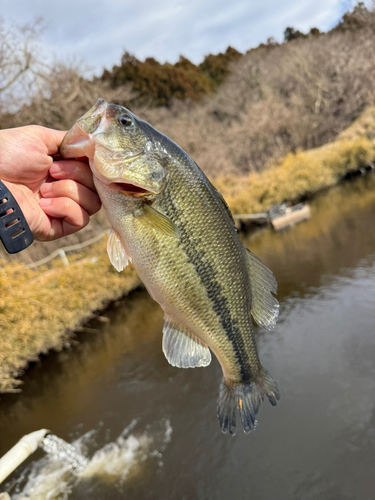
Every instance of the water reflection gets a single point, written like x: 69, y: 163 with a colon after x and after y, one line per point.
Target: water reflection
x: 318, y: 443
x: 68, y: 383
x: 340, y: 233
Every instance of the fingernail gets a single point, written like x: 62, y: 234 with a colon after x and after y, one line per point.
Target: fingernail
x: 45, y: 202
x: 47, y: 187
x: 55, y: 167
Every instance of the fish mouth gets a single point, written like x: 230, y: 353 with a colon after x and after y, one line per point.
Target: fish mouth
x: 129, y: 189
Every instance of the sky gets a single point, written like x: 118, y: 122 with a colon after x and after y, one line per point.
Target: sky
x: 95, y: 33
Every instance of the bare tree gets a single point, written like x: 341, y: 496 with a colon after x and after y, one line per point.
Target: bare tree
x: 20, y: 61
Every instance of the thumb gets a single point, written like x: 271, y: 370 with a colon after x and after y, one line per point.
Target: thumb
x: 51, y: 138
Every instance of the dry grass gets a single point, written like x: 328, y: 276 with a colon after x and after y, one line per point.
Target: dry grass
x: 364, y: 126
x: 295, y: 176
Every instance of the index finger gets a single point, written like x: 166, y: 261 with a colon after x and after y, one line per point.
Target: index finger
x: 73, y: 169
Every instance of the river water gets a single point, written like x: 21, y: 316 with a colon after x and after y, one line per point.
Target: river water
x: 152, y: 429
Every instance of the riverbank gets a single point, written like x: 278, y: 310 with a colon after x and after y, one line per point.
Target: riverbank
x: 303, y: 173
x: 42, y: 308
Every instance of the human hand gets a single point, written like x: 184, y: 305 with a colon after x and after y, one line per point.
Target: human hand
x: 56, y: 197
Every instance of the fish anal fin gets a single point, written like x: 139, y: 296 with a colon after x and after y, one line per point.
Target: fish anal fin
x: 265, y: 307
x: 116, y: 251
x: 182, y: 349
x: 159, y: 222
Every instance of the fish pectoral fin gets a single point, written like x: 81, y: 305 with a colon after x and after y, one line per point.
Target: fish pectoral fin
x: 116, y: 252
x: 265, y: 307
x: 183, y: 349
x: 152, y: 218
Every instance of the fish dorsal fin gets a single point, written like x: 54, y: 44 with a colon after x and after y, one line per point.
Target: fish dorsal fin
x: 265, y: 307
x: 116, y: 252
x: 151, y: 217
x: 183, y: 349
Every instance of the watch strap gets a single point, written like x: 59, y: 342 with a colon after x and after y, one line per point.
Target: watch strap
x: 15, y: 233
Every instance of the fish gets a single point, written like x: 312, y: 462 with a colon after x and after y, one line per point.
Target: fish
x: 178, y: 232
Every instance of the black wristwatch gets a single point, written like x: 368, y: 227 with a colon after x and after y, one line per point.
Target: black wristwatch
x: 14, y: 230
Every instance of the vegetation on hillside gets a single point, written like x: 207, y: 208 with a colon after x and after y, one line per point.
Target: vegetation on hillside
x: 157, y: 84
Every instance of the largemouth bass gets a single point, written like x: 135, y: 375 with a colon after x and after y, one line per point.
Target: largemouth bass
x: 177, y: 230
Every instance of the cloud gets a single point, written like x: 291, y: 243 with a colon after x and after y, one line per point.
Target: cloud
x: 98, y: 32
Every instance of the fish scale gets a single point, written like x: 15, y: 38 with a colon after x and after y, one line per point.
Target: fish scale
x: 194, y: 244
x: 177, y: 230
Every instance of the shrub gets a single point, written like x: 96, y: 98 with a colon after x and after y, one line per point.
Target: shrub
x: 155, y: 83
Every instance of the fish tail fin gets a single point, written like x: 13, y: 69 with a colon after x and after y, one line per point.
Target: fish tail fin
x: 247, y: 397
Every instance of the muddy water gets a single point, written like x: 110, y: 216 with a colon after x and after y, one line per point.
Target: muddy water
x: 154, y: 427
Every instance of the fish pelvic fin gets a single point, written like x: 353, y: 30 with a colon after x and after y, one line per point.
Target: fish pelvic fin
x: 116, y: 252
x: 265, y: 307
x: 247, y: 398
x: 183, y: 349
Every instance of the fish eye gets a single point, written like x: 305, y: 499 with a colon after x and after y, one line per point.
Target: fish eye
x: 124, y: 120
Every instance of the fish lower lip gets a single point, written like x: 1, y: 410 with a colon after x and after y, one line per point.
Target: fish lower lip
x: 128, y: 189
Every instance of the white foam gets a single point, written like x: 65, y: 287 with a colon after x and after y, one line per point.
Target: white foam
x: 48, y: 480
x: 116, y: 462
